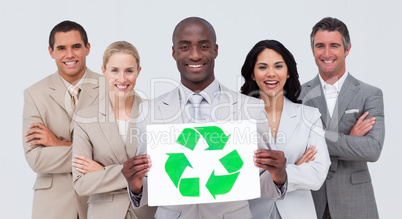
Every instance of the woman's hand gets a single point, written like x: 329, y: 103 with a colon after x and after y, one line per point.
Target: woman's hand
x: 308, y: 156
x: 274, y: 162
x: 85, y: 165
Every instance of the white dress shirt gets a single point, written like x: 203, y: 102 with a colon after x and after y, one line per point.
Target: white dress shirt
x: 331, y: 92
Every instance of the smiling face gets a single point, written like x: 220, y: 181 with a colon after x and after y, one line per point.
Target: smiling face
x: 121, y: 73
x: 330, y: 53
x: 270, y: 72
x: 70, y: 55
x: 195, y: 50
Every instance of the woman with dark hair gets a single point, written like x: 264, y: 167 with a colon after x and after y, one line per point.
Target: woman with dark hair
x: 270, y: 74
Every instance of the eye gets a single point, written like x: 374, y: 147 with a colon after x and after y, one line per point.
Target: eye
x: 114, y: 70
x: 183, y: 47
x: 204, y: 47
x: 262, y: 67
x: 278, y: 66
x: 61, y: 48
x: 77, y: 46
x: 130, y: 71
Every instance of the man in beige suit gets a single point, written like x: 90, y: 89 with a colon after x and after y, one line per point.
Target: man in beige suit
x: 48, y: 121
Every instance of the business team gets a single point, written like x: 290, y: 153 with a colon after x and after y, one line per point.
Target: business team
x: 58, y: 109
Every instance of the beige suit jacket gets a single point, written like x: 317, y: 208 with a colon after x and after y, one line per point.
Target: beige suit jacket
x: 49, y: 103
x: 96, y: 136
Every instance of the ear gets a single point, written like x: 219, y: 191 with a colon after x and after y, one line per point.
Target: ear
x: 173, y: 53
x: 252, y: 76
x: 348, y: 50
x: 138, y: 71
x: 88, y: 48
x: 103, y: 70
x: 216, y: 50
x: 51, y: 52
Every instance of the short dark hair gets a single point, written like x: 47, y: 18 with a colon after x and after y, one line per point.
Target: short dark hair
x: 195, y: 20
x: 66, y: 26
x: 292, y: 86
x: 331, y: 24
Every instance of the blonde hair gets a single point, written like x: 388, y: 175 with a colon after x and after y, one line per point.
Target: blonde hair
x: 121, y: 47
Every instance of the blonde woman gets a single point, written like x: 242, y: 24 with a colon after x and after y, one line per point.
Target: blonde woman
x: 104, y: 138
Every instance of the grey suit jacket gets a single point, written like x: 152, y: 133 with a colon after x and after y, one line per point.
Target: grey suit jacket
x: 48, y: 102
x: 233, y: 106
x: 96, y: 136
x: 300, y: 127
x: 348, y: 190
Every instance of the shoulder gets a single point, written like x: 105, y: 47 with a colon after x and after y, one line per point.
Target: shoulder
x: 368, y: 88
x: 306, y: 112
x: 41, y: 85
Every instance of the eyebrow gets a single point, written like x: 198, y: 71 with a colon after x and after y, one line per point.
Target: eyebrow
x: 201, y: 41
x: 263, y: 63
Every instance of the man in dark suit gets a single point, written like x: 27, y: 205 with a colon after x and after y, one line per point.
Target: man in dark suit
x: 353, y: 117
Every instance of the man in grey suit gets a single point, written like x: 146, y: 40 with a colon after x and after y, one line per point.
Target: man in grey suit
x: 353, y: 117
x: 48, y: 121
x: 195, y: 49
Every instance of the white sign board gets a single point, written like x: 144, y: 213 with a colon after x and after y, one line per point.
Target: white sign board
x: 202, y: 163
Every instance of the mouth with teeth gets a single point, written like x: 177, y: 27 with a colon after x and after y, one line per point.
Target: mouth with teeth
x: 121, y: 87
x: 71, y: 64
x: 271, y: 84
x: 196, y: 66
x: 328, y: 62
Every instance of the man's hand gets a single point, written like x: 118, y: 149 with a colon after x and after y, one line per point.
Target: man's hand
x: 272, y: 161
x: 362, y: 126
x: 85, y: 165
x: 134, y: 170
x: 308, y: 156
x: 39, y: 134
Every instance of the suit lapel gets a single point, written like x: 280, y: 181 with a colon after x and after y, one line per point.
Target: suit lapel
x: 348, y: 91
x: 228, y: 105
x: 131, y: 142
x: 288, y: 122
x: 315, y: 94
x: 170, y: 109
x: 60, y: 95
x: 108, y: 124
x: 89, y: 91
x: 87, y: 97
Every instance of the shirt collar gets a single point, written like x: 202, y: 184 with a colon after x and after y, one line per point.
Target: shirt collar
x: 337, y: 84
x: 208, y: 93
x: 79, y: 84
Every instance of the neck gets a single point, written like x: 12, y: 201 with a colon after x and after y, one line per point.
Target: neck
x: 332, y: 78
x: 74, y: 79
x: 272, y: 104
x: 198, y: 87
x: 122, y: 104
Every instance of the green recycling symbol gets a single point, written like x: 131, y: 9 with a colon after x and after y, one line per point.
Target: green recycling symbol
x: 216, y: 184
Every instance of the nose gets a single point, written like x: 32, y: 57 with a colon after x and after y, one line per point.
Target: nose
x: 195, y: 54
x: 122, y: 77
x: 70, y: 53
x: 270, y: 72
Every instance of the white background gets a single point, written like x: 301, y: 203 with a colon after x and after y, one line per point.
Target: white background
x: 375, y: 58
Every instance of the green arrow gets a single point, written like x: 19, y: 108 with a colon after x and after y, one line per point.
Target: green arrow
x: 188, y: 138
x: 214, y: 136
x: 190, y: 187
x: 219, y: 185
x: 232, y: 161
x: 175, y: 166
